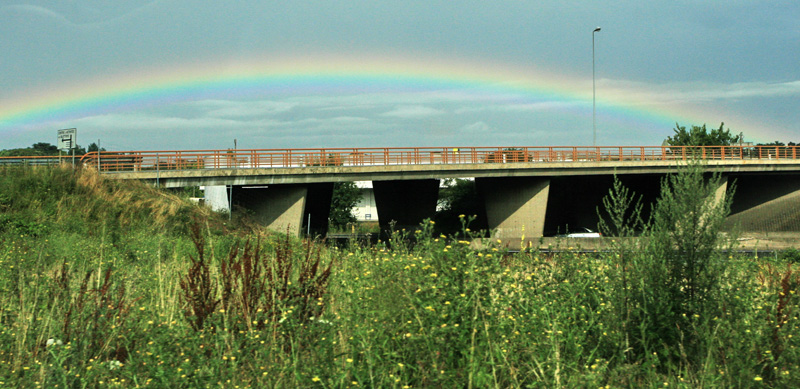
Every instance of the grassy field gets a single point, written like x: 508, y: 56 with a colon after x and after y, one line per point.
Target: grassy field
x: 107, y: 283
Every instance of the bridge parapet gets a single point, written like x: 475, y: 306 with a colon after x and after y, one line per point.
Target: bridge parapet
x: 293, y: 158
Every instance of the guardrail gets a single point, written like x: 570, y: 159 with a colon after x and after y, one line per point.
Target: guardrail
x: 117, y: 161
x: 35, y: 160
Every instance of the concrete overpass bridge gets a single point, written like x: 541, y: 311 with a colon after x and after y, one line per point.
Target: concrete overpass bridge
x: 538, y: 190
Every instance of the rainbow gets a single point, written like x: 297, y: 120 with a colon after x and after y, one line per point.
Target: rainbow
x: 260, y: 77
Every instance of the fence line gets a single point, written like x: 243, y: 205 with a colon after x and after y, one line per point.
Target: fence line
x: 114, y: 161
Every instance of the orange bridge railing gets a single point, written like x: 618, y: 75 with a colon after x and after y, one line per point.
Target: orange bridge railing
x: 116, y: 161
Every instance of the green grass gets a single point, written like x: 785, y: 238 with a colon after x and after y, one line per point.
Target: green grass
x: 97, y: 299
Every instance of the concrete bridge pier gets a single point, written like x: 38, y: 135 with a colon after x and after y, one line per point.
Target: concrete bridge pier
x: 722, y: 189
x: 515, y: 206
x: 405, y: 203
x: 286, y: 208
x: 768, y: 203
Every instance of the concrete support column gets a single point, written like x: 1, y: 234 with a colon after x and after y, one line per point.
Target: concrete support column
x: 719, y: 194
x: 406, y: 203
x: 279, y: 207
x: 515, y: 206
x: 766, y: 203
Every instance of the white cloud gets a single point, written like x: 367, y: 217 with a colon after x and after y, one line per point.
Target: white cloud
x: 520, y: 107
x: 413, y: 112
x: 692, y: 92
x: 476, y: 128
x: 242, y: 109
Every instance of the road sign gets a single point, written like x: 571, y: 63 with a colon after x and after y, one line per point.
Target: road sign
x: 67, y: 139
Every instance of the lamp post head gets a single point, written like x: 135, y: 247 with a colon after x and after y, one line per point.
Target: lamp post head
x: 596, y: 29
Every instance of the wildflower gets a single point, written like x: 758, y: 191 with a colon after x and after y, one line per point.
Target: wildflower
x: 757, y: 378
x: 53, y: 342
x: 316, y: 379
x: 114, y: 364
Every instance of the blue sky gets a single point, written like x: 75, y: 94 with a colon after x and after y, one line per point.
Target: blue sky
x: 522, y: 71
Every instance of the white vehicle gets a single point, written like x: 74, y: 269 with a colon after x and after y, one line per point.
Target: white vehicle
x: 584, y: 233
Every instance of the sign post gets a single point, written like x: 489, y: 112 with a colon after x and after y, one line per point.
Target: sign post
x: 68, y: 140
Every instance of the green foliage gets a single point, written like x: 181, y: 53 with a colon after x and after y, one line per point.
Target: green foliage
x: 346, y: 195
x: 621, y: 214
x: 685, y: 234
x: 45, y: 149
x: 94, y: 147
x: 699, y: 136
x: 667, y: 288
x: 80, y: 201
x: 90, y: 310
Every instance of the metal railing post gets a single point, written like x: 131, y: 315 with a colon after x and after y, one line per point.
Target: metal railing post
x: 158, y: 172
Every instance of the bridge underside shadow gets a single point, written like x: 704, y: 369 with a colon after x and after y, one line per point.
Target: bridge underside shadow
x: 531, y: 206
x: 405, y: 204
x: 573, y: 202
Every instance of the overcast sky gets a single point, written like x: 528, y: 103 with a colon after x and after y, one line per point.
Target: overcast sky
x: 178, y: 74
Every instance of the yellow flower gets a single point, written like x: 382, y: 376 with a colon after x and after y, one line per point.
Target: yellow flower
x: 316, y: 379
x: 757, y: 378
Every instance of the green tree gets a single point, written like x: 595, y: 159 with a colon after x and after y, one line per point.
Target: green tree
x: 665, y: 286
x: 345, y: 196
x: 46, y: 149
x: 700, y: 136
x: 43, y: 148
x: 682, y: 265
x: 37, y: 149
x: 93, y: 147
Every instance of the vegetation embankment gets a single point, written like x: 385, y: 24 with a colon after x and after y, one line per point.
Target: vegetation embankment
x: 91, y: 296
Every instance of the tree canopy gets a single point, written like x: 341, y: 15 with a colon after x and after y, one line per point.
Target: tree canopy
x: 45, y: 149
x: 345, y: 196
x: 700, y: 136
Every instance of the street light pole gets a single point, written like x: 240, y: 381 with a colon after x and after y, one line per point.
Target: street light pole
x: 594, y: 98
